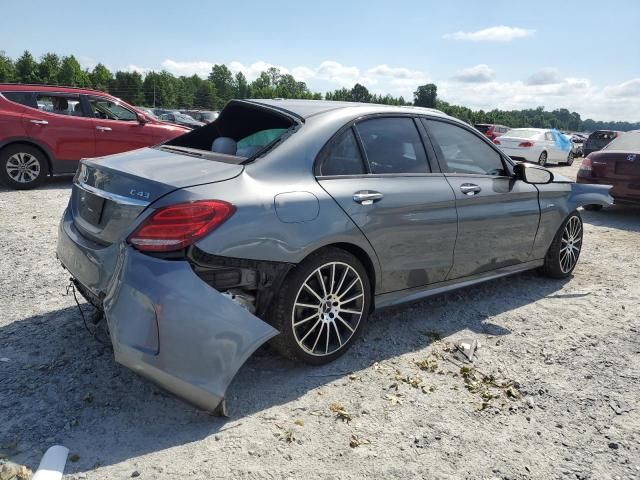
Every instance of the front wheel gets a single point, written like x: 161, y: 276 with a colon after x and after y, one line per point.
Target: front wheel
x: 542, y: 159
x: 22, y: 167
x: 562, y: 256
x: 321, y: 307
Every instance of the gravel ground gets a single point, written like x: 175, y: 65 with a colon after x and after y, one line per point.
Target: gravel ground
x: 554, y: 393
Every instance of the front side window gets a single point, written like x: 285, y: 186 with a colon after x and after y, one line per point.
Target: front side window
x: 462, y: 151
x: 343, y: 156
x: 108, y: 110
x: 59, y: 104
x: 393, y: 145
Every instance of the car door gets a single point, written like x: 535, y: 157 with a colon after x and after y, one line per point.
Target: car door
x: 58, y: 121
x: 378, y: 171
x: 116, y: 128
x: 497, y: 215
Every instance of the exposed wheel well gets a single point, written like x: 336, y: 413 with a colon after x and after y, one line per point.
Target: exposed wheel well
x: 32, y: 145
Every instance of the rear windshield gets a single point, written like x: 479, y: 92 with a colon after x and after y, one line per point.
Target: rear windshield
x: 603, y: 135
x: 522, y: 133
x: 627, y: 142
x: 482, y: 128
x: 242, y: 130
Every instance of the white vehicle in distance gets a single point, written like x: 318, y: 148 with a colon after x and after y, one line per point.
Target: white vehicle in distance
x: 537, y: 145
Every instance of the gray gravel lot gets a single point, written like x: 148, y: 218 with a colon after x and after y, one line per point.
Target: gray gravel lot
x: 557, y: 397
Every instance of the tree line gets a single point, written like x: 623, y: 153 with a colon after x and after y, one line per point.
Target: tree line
x: 163, y: 89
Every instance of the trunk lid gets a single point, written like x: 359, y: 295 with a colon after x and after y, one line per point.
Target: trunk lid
x: 615, y: 165
x: 109, y: 193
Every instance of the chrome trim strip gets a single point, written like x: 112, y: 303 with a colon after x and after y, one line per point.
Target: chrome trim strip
x: 114, y: 197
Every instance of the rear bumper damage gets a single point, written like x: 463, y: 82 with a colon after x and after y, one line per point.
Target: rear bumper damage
x: 165, y: 322
x: 589, y: 194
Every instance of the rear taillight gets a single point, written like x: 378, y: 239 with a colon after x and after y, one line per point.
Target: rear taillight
x: 586, y: 165
x: 496, y: 141
x: 177, y: 226
x: 526, y: 144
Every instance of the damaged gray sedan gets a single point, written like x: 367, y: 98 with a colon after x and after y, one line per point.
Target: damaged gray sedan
x: 290, y: 221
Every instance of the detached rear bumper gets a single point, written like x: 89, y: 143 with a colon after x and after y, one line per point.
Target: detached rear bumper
x: 165, y: 322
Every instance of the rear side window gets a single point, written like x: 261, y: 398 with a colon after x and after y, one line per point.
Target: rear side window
x: 60, y: 104
x: 393, y: 145
x: 343, y: 156
x: 462, y: 151
x: 24, y: 98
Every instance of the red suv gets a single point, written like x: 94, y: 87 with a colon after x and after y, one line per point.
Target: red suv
x: 491, y: 131
x: 45, y: 130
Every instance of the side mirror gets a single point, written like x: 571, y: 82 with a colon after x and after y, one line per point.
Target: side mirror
x: 532, y: 174
x: 141, y: 118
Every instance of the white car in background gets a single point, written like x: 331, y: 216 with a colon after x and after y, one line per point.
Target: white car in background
x: 537, y: 145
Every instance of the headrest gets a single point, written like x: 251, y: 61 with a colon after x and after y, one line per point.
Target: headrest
x: 224, y: 145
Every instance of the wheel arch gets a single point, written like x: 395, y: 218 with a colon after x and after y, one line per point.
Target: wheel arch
x: 31, y: 143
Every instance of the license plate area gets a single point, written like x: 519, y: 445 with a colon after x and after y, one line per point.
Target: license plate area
x: 628, y: 168
x: 90, y: 207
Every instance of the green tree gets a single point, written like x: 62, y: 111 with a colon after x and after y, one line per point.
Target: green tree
x: 7, y: 68
x: 101, y: 77
x: 359, y: 93
x: 205, y: 96
x: 49, y: 68
x: 426, y: 96
x: 27, y: 69
x: 222, y: 80
x: 129, y: 87
x: 71, y: 73
x: 242, y: 87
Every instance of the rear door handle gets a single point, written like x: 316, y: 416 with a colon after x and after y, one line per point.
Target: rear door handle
x: 39, y: 122
x: 470, y: 188
x: 365, y: 197
x: 103, y: 129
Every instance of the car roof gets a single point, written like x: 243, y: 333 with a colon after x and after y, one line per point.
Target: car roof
x: 30, y: 87
x: 307, y: 108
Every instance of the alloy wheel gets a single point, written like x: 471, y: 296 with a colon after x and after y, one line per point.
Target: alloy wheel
x: 571, y: 244
x: 23, y: 167
x: 542, y: 160
x: 328, y: 308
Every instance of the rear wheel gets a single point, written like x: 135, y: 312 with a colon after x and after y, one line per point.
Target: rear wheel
x: 562, y: 256
x: 570, y: 158
x: 321, y: 307
x: 22, y: 167
x: 542, y: 159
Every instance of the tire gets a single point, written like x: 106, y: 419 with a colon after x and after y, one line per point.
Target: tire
x: 593, y: 208
x: 542, y: 159
x: 570, y: 158
x: 321, y: 314
x: 564, y: 252
x: 23, y: 167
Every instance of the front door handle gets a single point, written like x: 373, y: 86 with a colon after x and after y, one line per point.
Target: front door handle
x: 103, y: 129
x: 366, y: 197
x: 470, y: 188
x: 39, y: 122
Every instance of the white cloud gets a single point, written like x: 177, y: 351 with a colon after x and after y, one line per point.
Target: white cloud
x: 546, y: 76
x: 202, y: 69
x: 500, y: 33
x: 628, y: 89
x: 478, y: 74
x: 136, y: 68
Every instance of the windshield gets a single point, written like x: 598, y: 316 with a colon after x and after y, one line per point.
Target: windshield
x: 628, y: 142
x: 522, y: 133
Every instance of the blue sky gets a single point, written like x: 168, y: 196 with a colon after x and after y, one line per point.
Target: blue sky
x: 584, y: 55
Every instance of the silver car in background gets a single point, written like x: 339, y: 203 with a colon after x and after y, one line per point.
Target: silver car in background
x: 291, y: 221
x: 536, y: 145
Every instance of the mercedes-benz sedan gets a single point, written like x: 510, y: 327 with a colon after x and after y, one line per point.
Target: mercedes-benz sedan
x: 292, y: 221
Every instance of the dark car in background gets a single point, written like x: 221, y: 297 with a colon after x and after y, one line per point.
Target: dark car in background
x: 181, y: 119
x: 46, y: 130
x: 598, y: 140
x: 206, y: 116
x: 617, y: 164
x: 490, y: 130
